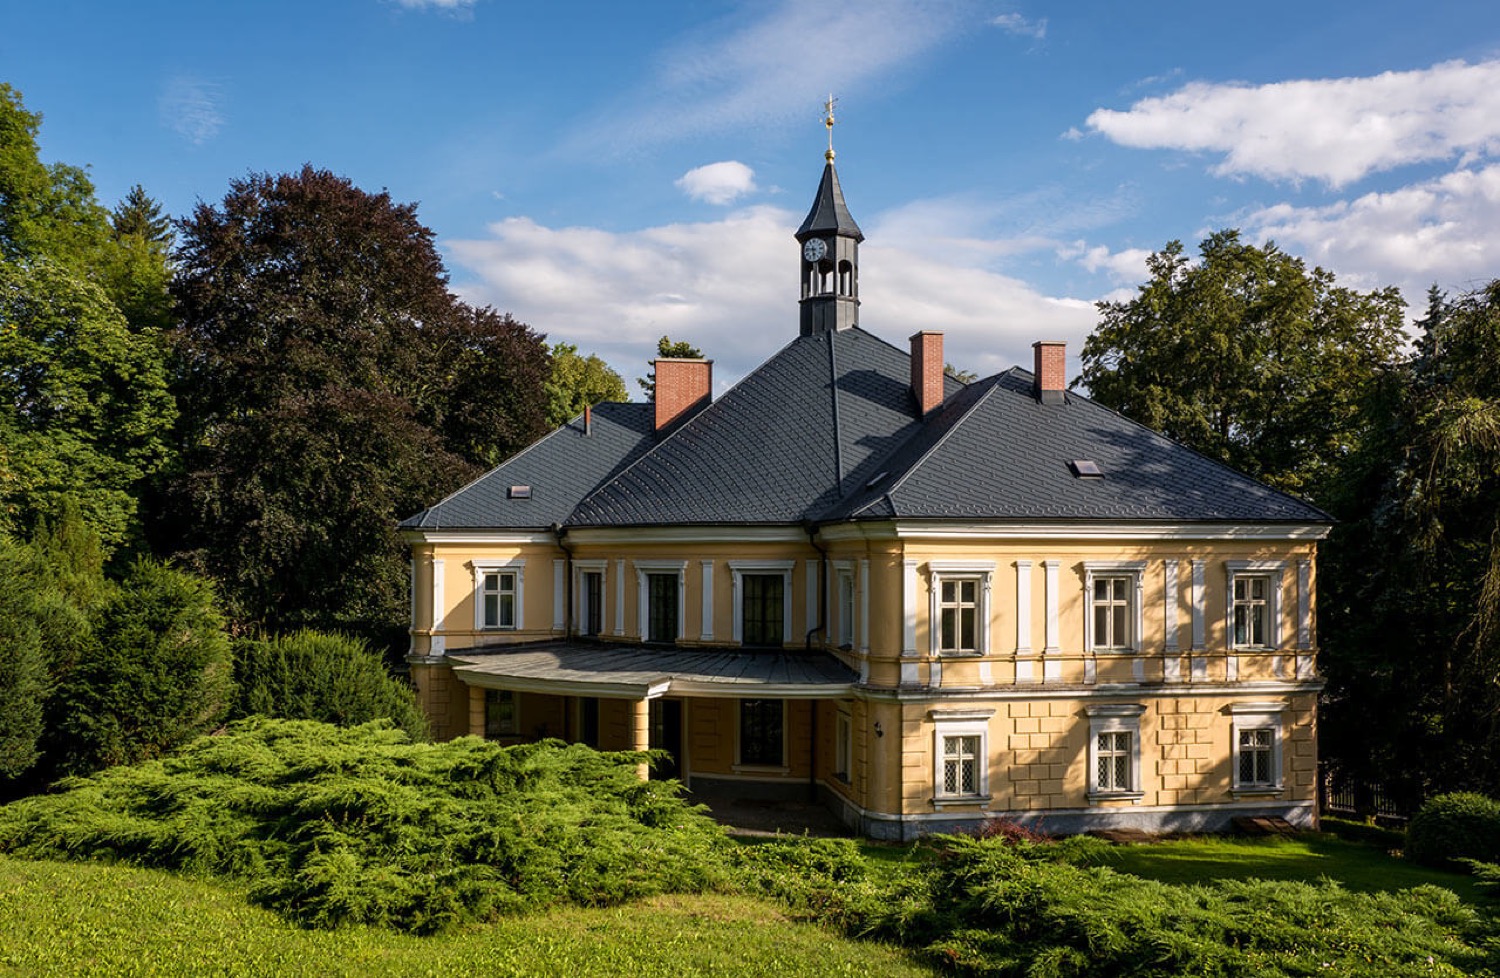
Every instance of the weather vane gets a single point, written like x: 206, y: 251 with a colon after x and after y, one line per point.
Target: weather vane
x: 828, y: 121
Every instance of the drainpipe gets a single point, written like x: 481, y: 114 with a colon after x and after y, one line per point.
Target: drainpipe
x: 811, y: 529
x: 560, y: 531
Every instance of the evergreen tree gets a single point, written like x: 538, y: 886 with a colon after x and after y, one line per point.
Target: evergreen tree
x: 667, y: 347
x: 140, y: 216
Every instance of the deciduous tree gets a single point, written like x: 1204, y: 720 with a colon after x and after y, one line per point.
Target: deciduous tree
x: 578, y: 382
x: 1248, y: 357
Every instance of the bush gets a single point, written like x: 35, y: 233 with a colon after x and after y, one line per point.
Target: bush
x: 313, y: 675
x: 1451, y: 827
x: 158, y: 674
x: 338, y: 825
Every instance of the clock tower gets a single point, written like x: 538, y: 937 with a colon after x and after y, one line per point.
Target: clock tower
x: 830, y: 254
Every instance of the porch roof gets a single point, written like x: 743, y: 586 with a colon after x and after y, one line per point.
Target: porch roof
x: 638, y: 672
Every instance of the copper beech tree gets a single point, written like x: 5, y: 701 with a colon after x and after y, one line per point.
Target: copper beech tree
x: 329, y: 384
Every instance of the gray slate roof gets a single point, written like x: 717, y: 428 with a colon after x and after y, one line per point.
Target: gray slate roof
x: 561, y: 469
x: 829, y: 213
x: 826, y: 430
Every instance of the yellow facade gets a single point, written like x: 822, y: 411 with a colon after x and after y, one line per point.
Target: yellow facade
x: 1161, y: 720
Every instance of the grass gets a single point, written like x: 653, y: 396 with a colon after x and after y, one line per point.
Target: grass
x: 67, y: 919
x: 1357, y: 866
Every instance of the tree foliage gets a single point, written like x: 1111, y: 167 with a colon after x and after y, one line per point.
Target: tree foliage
x: 1412, y: 608
x: 667, y: 347
x: 141, y: 216
x: 23, y: 665
x: 578, y: 382
x: 1248, y: 357
x: 330, y: 385
x: 318, y: 676
x: 157, y: 675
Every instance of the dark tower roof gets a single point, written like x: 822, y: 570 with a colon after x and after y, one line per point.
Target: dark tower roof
x: 829, y: 212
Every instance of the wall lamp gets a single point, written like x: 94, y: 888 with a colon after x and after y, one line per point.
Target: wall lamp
x: 879, y: 732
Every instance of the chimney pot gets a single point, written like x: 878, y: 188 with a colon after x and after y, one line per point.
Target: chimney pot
x: 1051, y: 371
x: 927, y: 370
x: 682, y: 387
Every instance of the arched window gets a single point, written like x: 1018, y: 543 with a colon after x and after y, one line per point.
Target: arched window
x: 846, y: 278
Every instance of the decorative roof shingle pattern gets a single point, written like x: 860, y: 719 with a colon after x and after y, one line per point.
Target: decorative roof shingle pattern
x: 997, y: 453
x: 782, y: 446
x: 561, y: 469
x: 826, y: 430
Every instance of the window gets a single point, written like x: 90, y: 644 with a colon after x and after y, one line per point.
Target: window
x: 961, y: 767
x: 1250, y: 610
x: 845, y: 601
x: 497, y: 595
x: 761, y: 738
x: 1257, y: 746
x: 661, y: 604
x: 593, y: 603
x: 1112, y: 597
x: 659, y: 590
x: 501, y: 718
x: 762, y: 605
x: 1112, y: 761
x: 960, y: 606
x: 1254, y: 613
x: 1115, y: 751
x: 764, y: 610
x: 843, y: 747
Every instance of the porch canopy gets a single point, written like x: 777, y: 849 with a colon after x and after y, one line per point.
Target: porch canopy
x: 638, y: 672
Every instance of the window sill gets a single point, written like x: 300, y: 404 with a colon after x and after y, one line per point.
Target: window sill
x: 1116, y: 651
x: 760, y: 769
x: 1254, y: 790
x: 959, y: 801
x: 1100, y: 797
x: 960, y: 654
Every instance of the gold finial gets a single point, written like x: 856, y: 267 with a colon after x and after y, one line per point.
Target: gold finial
x: 828, y: 121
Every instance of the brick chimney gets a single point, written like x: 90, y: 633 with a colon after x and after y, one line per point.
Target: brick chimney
x: 682, y: 387
x: 927, y: 370
x: 1051, y: 370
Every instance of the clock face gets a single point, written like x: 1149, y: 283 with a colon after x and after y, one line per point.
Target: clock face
x: 814, y: 249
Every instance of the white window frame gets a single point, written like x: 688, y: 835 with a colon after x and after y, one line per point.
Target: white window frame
x: 1245, y: 717
x: 1112, y: 718
x: 480, y: 568
x: 738, y: 569
x: 643, y: 568
x: 942, y: 572
x: 580, y: 593
x: 1272, y: 571
x: 843, y: 746
x: 845, y: 603
x: 1135, y: 572
x: 948, y: 724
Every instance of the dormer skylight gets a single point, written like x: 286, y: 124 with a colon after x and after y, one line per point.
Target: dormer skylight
x: 1086, y: 469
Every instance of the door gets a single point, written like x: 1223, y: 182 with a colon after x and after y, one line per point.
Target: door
x: 666, y: 734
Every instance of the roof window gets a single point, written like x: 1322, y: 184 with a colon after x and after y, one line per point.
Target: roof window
x: 519, y: 492
x: 1086, y: 469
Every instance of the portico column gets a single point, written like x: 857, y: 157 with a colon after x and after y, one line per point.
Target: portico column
x: 476, y: 711
x: 640, y: 733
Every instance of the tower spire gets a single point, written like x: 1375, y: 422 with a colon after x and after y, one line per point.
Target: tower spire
x: 829, y: 240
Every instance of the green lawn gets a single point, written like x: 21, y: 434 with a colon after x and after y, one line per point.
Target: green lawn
x: 65, y: 919
x: 1358, y: 866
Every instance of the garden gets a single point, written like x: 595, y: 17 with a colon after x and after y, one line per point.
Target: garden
x: 295, y: 847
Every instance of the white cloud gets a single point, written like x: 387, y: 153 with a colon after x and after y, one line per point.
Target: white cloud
x: 1336, y: 130
x: 1446, y: 230
x: 192, y: 108
x: 730, y: 288
x: 1128, y: 265
x: 1020, y: 26
x: 757, y: 74
x: 718, y: 183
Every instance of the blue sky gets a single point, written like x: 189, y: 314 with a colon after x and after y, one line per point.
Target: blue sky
x: 611, y: 172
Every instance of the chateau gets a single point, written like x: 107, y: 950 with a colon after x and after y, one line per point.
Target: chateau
x: 925, y: 602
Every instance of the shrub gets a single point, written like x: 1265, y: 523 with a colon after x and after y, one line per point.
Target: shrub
x: 313, y: 675
x: 157, y: 676
x: 337, y: 825
x: 1460, y: 825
